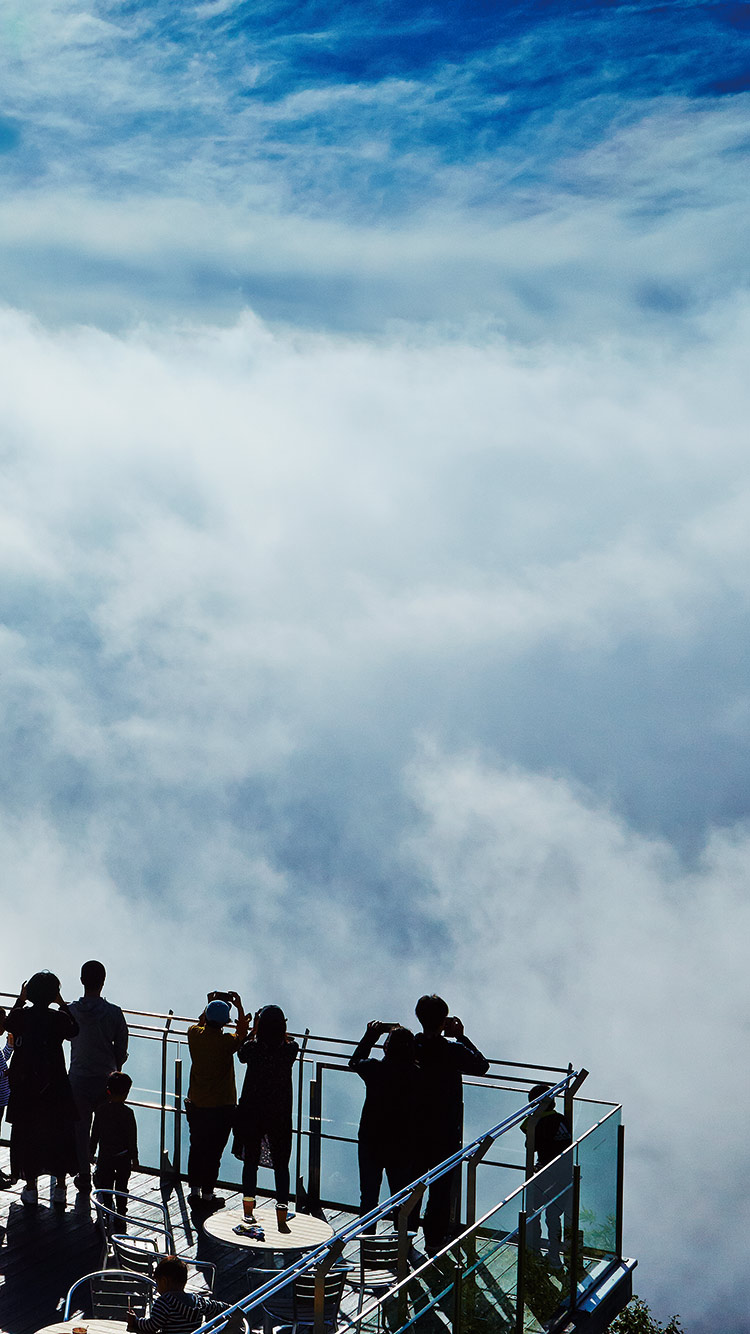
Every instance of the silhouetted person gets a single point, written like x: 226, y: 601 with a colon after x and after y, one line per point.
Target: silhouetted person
x: 265, y: 1106
x: 211, y: 1102
x: 553, y: 1190
x: 443, y: 1063
x: 100, y: 1047
x: 41, y: 1108
x: 387, y: 1139
x: 114, y: 1140
x: 6, y: 1051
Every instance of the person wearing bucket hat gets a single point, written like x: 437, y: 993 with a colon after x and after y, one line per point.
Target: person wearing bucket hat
x: 212, y: 1093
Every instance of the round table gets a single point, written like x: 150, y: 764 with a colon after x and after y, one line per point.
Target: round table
x: 91, y: 1326
x: 304, y: 1233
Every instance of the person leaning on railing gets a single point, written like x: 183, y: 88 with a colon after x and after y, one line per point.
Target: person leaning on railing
x: 211, y: 1102
x: 445, y: 1055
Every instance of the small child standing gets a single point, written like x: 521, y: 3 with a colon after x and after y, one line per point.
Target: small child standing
x: 114, y: 1135
x: 5, y: 1055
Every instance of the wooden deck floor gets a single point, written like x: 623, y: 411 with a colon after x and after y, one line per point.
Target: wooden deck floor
x: 43, y: 1250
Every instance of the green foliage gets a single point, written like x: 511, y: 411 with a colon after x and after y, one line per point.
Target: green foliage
x: 637, y: 1319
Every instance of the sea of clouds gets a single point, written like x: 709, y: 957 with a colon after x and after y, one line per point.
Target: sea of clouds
x: 413, y: 665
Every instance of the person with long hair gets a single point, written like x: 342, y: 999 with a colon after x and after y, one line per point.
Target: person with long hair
x: 387, y: 1138
x: 41, y: 1109
x: 265, y: 1107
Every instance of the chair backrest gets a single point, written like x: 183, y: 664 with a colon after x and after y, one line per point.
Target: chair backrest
x: 141, y: 1254
x: 378, y: 1254
x: 110, y: 1292
x: 142, y: 1216
x: 303, y: 1296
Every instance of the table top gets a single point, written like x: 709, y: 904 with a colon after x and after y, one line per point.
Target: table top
x: 305, y: 1232
x: 91, y: 1326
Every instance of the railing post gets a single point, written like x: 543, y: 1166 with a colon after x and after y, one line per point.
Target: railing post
x: 575, y: 1240
x: 521, y: 1272
x: 313, y: 1154
x: 404, y: 1214
x: 177, y: 1143
x: 472, y: 1164
x: 404, y: 1246
x: 570, y: 1094
x: 458, y: 1279
x: 164, y: 1163
x: 300, y: 1097
x: 321, y: 1273
x: 620, y: 1181
x: 568, y: 1102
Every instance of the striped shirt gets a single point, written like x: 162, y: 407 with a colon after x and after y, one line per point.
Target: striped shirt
x: 178, y: 1313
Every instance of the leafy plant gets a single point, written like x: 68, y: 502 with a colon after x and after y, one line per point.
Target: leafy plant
x: 636, y: 1318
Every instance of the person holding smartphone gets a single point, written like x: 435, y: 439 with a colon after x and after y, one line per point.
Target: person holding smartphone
x: 212, y: 1093
x: 445, y: 1055
x: 387, y: 1139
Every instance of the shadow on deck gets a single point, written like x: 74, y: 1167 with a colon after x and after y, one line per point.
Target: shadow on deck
x: 44, y: 1250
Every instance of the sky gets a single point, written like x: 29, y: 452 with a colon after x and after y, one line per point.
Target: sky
x: 375, y: 540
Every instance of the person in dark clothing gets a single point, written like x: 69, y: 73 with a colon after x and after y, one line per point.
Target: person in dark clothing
x: 445, y: 1055
x: 387, y: 1140
x: 100, y: 1047
x: 265, y: 1106
x: 41, y: 1109
x: 552, y: 1191
x: 114, y: 1141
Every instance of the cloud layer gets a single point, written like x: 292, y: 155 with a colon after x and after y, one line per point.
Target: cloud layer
x: 424, y: 658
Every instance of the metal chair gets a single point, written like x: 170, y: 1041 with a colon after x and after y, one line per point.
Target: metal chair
x: 141, y: 1255
x: 131, y: 1216
x: 110, y: 1293
x: 378, y: 1265
x: 295, y: 1304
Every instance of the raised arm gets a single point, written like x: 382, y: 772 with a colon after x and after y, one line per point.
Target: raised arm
x: 243, y: 1020
x: 469, y: 1058
x: 374, y: 1030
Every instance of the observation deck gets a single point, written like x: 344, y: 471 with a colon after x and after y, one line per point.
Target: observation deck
x: 494, y: 1276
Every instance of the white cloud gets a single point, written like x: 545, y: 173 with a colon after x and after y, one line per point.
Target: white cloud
x: 242, y: 571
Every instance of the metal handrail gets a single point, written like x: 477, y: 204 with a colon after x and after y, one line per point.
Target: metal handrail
x: 473, y: 1228
x: 175, y: 1035
x: 335, y: 1244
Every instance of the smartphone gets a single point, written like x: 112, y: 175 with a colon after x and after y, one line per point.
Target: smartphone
x: 388, y: 1026
x: 220, y: 995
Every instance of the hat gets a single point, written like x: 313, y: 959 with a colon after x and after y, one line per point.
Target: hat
x: 217, y: 1012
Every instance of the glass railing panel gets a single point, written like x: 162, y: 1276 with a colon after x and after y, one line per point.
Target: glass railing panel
x: 486, y: 1105
x: 342, y: 1096
x: 549, y: 1204
x: 144, y: 1066
x: 586, y: 1114
x: 596, y: 1155
x: 490, y: 1274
